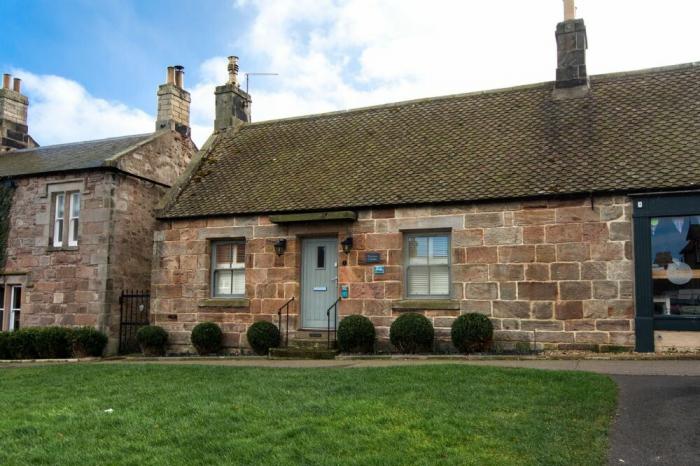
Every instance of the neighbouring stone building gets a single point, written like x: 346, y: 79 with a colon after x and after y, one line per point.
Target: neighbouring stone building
x: 566, y: 211
x: 77, y: 219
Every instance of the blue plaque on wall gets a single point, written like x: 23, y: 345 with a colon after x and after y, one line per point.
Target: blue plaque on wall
x: 379, y: 270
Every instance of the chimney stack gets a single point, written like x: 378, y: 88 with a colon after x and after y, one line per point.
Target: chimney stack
x: 571, y: 50
x: 232, y: 103
x: 174, y: 102
x: 14, y: 133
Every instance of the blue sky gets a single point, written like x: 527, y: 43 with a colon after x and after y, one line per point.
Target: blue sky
x: 117, y: 48
x: 91, y: 68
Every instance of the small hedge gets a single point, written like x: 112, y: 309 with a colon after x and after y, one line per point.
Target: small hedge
x: 88, y: 342
x: 356, y: 335
x: 207, y: 338
x: 152, y: 340
x: 51, y: 343
x: 54, y: 343
x: 412, y: 333
x: 262, y: 336
x: 472, y: 333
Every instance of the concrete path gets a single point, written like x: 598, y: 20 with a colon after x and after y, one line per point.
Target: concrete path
x: 657, y: 422
x: 626, y: 367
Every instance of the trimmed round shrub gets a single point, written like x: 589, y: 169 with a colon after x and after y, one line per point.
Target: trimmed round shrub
x: 88, y: 341
x: 54, y: 342
x: 412, y: 333
x: 472, y: 333
x: 262, y: 336
x: 207, y: 338
x: 152, y: 340
x: 356, y: 335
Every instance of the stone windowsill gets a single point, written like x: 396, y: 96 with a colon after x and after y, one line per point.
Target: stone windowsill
x: 224, y: 302
x: 425, y: 304
x: 61, y: 248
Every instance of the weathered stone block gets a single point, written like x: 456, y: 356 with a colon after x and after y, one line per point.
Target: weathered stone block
x: 566, y: 310
x: 575, y: 290
x: 515, y: 254
x: 481, y: 291
x: 537, y: 272
x: 503, y: 235
x: 566, y: 233
x: 517, y: 309
x: 506, y: 272
x: 537, y: 291
x: 565, y: 271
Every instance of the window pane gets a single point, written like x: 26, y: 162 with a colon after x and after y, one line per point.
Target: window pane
x: 238, y: 285
x: 60, y: 204
x: 439, y: 250
x: 58, y: 233
x: 2, y: 298
x: 418, y: 250
x: 224, y: 256
x: 320, y: 257
x: 15, y: 305
x: 675, y: 269
x: 418, y: 281
x: 240, y: 253
x: 222, y: 282
x: 74, y: 231
x: 439, y: 280
x: 16, y: 297
x: 75, y: 205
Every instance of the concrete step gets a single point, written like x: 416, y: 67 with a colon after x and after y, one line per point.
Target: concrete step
x: 316, y: 343
x: 302, y: 353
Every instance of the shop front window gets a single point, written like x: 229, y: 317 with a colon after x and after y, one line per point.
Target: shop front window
x: 675, y: 267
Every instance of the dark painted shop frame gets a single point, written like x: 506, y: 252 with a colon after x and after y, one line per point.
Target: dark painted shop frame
x: 645, y: 208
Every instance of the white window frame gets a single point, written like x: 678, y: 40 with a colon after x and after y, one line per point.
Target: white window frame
x: 59, y: 226
x: 15, y: 308
x: 66, y: 226
x: 408, y: 266
x: 234, y: 265
x: 74, y: 220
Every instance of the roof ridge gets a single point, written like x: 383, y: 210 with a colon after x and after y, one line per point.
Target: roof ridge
x: 501, y: 90
x: 63, y: 144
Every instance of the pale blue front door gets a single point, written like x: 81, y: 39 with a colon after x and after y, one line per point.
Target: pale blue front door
x: 319, y: 280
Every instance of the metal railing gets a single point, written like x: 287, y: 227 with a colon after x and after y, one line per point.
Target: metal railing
x: 333, y: 307
x: 285, y: 306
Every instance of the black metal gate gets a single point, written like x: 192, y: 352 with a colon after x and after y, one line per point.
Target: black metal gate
x: 134, y: 314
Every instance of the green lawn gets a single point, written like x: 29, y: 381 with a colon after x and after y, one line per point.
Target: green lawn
x: 441, y: 414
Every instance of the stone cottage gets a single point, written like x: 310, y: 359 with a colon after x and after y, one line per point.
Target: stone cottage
x: 77, y: 219
x: 566, y: 211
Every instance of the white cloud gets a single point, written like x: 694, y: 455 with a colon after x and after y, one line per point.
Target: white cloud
x: 62, y: 110
x: 339, y: 54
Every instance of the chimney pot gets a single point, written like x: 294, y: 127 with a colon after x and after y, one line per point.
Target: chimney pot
x: 17, y: 85
x: 179, y: 76
x: 233, y: 70
x: 6, y: 81
x: 170, y: 78
x: 569, y: 10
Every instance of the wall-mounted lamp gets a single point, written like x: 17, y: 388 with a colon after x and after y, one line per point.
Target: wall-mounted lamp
x: 280, y: 246
x: 347, y: 245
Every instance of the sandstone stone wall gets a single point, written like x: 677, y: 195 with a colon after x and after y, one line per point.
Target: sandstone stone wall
x: 556, y: 273
x: 62, y: 286
x: 81, y: 286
